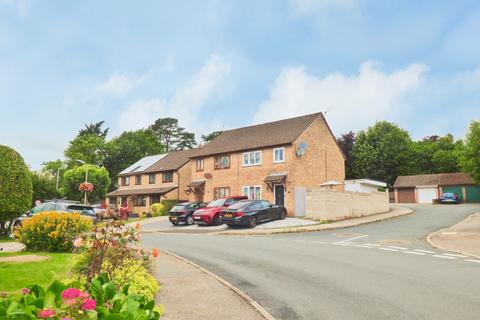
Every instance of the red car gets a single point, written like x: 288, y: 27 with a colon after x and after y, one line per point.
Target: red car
x: 210, y: 215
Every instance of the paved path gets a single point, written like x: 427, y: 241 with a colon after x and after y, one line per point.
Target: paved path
x: 11, y: 246
x: 384, y: 270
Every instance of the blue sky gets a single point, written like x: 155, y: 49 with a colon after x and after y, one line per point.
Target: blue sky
x: 224, y: 64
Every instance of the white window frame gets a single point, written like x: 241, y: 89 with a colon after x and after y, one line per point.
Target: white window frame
x: 283, y: 155
x: 248, y: 189
x: 249, y: 154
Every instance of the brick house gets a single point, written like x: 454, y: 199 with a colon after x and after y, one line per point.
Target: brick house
x: 425, y: 188
x: 152, y: 179
x: 267, y: 161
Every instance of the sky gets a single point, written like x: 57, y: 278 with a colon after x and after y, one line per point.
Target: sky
x: 224, y: 64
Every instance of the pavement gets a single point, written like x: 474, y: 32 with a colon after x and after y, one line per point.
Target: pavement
x: 463, y: 237
x: 383, y: 270
x: 189, y: 293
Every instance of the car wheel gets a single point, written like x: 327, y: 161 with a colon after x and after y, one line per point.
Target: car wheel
x: 175, y: 223
x: 252, y: 222
x: 283, y: 215
x: 217, y: 220
x: 189, y: 220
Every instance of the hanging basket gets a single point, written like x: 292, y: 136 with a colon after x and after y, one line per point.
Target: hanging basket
x: 86, y: 186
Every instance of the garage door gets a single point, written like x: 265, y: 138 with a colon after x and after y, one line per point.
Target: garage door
x: 473, y: 193
x: 426, y: 194
x: 454, y: 189
x: 406, y: 195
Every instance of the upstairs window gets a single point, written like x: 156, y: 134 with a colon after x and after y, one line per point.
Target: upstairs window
x: 152, y: 178
x: 126, y: 181
x: 278, y: 155
x: 253, y: 158
x: 222, y: 162
x: 167, y: 176
x: 138, y: 179
x: 199, y: 164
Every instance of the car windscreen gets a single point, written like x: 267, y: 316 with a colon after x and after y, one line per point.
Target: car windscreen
x: 240, y: 205
x: 217, y: 203
x: 449, y: 195
x: 178, y: 207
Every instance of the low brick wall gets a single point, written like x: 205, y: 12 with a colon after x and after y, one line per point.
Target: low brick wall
x: 332, y: 205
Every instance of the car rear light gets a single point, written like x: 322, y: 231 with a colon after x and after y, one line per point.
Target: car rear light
x: 238, y: 214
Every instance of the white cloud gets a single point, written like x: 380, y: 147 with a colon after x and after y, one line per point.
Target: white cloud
x: 353, y: 102
x: 307, y: 6
x: 185, y: 104
x: 119, y: 85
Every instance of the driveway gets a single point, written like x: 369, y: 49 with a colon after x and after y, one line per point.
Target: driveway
x: 165, y: 226
x: 379, y: 271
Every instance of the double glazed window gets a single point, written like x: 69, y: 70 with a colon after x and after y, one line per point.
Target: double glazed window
x: 252, y: 192
x: 138, y: 179
x: 154, y: 199
x: 253, y: 158
x: 141, y: 201
x: 278, y: 155
x: 125, y: 181
x: 152, y: 177
x: 167, y: 176
x: 221, y: 192
x: 222, y: 162
x: 199, y: 164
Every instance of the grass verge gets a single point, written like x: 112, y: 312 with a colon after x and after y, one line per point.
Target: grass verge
x: 15, y: 276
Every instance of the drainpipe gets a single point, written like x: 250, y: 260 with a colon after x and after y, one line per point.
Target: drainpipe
x: 178, y: 185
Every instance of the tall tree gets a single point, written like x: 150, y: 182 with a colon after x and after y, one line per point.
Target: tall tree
x: 209, y: 137
x: 346, y: 142
x: 470, y: 155
x: 171, y: 135
x: 436, y: 154
x: 44, y: 186
x: 128, y: 148
x: 98, y: 176
x: 94, y: 128
x: 382, y: 152
x: 89, y: 148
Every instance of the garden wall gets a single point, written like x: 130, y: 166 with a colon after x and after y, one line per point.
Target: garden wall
x: 336, y: 205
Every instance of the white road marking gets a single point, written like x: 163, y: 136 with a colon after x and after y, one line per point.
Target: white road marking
x: 444, y: 257
x: 472, y: 260
x: 363, y: 246
x: 371, y: 244
x: 399, y: 248
x: 387, y: 249
x: 343, y: 243
x: 424, y: 251
x: 348, y: 240
x: 455, y: 255
x: 414, y: 252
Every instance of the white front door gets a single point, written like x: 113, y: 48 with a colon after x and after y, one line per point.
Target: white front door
x: 426, y: 194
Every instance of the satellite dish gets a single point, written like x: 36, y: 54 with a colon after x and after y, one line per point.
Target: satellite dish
x: 302, y: 147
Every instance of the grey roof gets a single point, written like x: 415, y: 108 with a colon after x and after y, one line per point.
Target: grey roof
x: 172, y: 161
x: 141, y: 191
x: 258, y: 136
x: 439, y: 179
x: 142, y: 164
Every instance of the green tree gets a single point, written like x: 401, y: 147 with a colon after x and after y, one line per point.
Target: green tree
x: 435, y: 154
x: 128, y: 148
x: 15, y: 188
x: 55, y: 169
x: 44, y: 186
x: 94, y: 128
x: 382, y: 152
x: 98, y: 176
x: 171, y: 135
x: 346, y: 142
x: 209, y: 137
x: 89, y: 148
x: 470, y: 155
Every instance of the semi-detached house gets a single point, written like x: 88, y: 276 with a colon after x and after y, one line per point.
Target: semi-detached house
x: 267, y: 161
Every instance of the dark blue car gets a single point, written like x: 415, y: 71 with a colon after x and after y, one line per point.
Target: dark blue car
x: 449, y: 197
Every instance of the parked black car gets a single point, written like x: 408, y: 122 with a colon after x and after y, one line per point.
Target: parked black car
x: 183, y: 212
x: 251, y: 212
x: 65, y: 206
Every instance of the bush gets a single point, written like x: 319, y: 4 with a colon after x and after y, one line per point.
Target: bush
x: 162, y: 208
x: 52, y: 231
x: 157, y: 209
x: 15, y: 188
x: 101, y: 301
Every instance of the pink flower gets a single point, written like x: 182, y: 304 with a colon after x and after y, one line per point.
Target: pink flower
x: 78, y: 242
x: 25, y: 291
x: 69, y: 302
x: 89, y: 304
x: 71, y: 293
x: 46, y: 313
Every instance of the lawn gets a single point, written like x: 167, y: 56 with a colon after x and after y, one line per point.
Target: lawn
x: 15, y: 276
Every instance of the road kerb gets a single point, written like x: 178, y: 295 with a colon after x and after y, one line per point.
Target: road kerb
x: 242, y: 294
x: 430, y: 242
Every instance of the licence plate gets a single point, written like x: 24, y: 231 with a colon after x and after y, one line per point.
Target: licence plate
x: 228, y: 215
x: 174, y: 218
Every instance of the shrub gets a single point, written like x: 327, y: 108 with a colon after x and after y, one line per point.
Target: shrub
x: 15, y: 188
x: 162, y: 208
x: 101, y: 301
x: 52, y: 231
x: 157, y: 209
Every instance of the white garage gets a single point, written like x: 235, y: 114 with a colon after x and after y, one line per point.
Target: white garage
x: 426, y: 194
